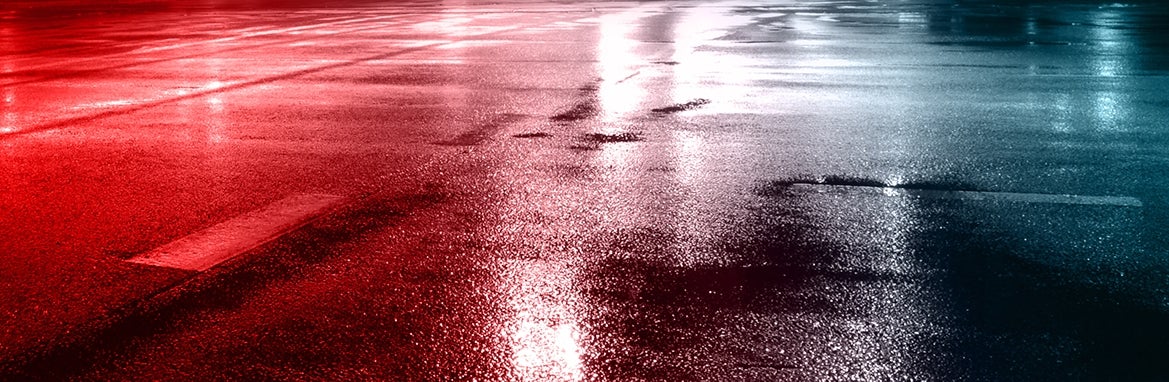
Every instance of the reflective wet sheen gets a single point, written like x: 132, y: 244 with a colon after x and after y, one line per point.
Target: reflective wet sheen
x: 674, y: 190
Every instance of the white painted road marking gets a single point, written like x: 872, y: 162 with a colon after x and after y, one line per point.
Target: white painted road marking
x: 205, y: 249
x: 1118, y: 201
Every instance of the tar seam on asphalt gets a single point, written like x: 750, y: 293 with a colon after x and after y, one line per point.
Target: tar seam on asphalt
x: 612, y: 138
x: 532, y: 135
x: 682, y: 106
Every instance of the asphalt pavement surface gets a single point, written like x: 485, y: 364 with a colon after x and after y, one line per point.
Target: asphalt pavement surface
x: 540, y: 191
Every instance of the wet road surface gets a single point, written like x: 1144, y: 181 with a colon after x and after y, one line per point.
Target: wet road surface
x: 841, y: 190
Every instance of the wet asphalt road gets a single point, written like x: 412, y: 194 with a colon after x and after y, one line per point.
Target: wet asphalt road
x: 840, y: 190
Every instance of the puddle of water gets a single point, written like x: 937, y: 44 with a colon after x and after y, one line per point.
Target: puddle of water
x: 580, y: 111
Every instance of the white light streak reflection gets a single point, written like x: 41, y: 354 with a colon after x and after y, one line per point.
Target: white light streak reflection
x: 1112, y: 47
x: 10, y: 123
x: 1062, y: 105
x: 721, y: 77
x: 888, y: 318
x: 215, y: 121
x: 617, y: 66
x: 689, y: 155
x: 543, y: 336
x: 1111, y: 59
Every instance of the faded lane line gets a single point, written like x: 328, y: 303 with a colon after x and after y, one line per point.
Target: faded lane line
x: 146, y: 104
x: 207, y: 248
x: 139, y: 63
x: 421, y: 45
x: 249, y: 34
x: 1117, y: 201
x: 261, y: 33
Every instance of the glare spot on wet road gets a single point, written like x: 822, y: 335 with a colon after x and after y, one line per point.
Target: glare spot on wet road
x: 544, y: 332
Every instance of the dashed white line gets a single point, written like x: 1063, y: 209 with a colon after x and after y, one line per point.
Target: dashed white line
x: 207, y: 248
